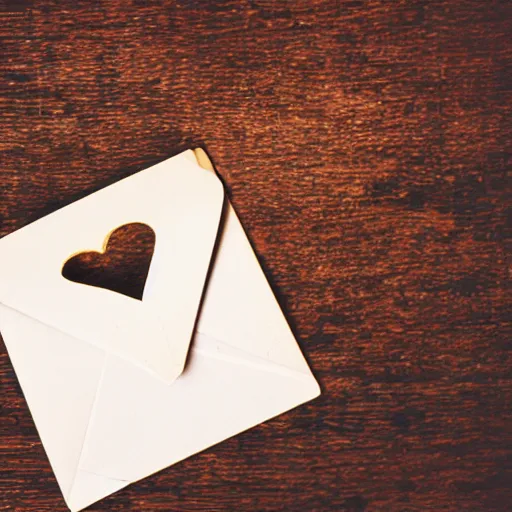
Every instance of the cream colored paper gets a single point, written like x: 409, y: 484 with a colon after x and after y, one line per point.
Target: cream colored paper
x: 182, y: 203
x: 110, y: 414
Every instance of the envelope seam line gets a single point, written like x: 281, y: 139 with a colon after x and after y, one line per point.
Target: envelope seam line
x: 46, y: 324
x: 258, y: 360
x: 87, y: 429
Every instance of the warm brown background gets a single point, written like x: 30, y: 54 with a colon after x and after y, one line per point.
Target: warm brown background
x: 365, y: 146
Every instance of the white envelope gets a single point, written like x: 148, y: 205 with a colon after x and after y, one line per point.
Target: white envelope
x: 104, y: 375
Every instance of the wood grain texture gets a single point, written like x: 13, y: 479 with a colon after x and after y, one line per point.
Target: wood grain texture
x: 365, y: 146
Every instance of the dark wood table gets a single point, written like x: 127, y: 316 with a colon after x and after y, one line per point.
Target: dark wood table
x: 365, y: 146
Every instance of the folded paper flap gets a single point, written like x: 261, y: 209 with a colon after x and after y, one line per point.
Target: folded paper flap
x: 59, y: 377
x: 220, y: 393
x: 182, y: 202
x: 239, y: 305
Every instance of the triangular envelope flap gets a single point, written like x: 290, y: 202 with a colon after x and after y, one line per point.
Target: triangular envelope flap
x: 141, y: 426
x: 59, y: 376
x: 239, y: 307
x: 182, y: 203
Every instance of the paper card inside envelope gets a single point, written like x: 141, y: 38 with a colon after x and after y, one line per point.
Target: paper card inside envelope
x: 182, y: 202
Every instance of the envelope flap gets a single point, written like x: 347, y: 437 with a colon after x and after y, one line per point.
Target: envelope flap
x: 182, y: 202
x: 60, y: 377
x: 240, y: 309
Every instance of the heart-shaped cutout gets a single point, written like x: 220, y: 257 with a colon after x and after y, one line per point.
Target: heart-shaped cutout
x: 122, y: 267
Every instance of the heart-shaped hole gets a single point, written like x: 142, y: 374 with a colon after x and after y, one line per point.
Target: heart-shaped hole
x: 122, y: 267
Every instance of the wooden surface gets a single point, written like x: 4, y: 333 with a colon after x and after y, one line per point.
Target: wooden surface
x: 365, y: 145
